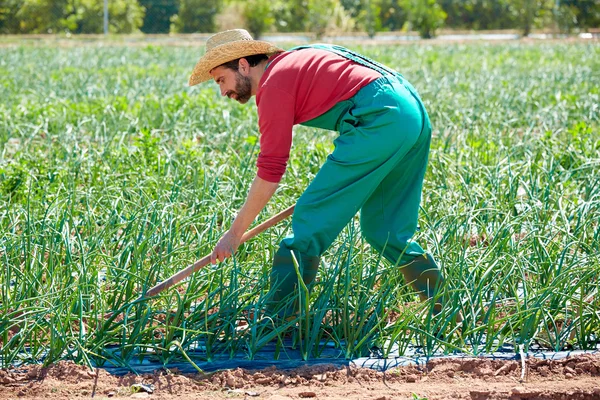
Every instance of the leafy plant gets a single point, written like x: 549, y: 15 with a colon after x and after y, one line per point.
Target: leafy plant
x: 259, y: 16
x: 424, y: 16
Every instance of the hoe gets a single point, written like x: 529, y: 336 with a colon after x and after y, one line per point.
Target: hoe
x: 205, y: 260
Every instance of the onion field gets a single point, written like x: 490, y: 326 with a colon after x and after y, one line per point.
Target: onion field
x: 114, y: 175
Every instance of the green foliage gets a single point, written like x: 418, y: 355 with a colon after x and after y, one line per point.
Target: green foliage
x: 125, y: 16
x: 371, y: 16
x: 375, y: 15
x: 320, y: 13
x: 582, y: 14
x: 566, y: 17
x: 196, y: 16
x: 529, y: 14
x: 290, y: 16
x: 45, y: 16
x: 341, y: 21
x: 314, y: 16
x: 259, y: 16
x: 354, y: 7
x: 13, y: 181
x: 525, y: 15
x: 392, y: 15
x: 478, y: 14
x: 9, y: 23
x: 78, y: 16
x: 368, y: 17
x: 157, y: 18
x: 424, y: 16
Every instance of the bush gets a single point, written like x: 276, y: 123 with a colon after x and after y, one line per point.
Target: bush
x: 320, y: 13
x: 158, y: 15
x: 196, y: 16
x: 8, y: 16
x: 124, y: 16
x: 79, y: 16
x: 424, y: 16
x: 566, y: 18
x: 291, y: 16
x: 259, y: 17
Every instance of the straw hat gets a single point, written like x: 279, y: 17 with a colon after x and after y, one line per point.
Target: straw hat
x: 227, y: 46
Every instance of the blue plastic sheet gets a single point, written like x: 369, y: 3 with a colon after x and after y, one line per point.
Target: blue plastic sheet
x: 290, y: 358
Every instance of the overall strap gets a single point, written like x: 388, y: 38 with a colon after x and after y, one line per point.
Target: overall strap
x: 351, y: 55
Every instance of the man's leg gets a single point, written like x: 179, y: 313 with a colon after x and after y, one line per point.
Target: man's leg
x: 284, y: 278
x: 375, y: 135
x: 389, y: 220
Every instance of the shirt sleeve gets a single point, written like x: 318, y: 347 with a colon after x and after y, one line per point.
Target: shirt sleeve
x: 275, y: 122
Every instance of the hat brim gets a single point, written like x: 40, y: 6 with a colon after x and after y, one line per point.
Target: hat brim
x: 228, y: 52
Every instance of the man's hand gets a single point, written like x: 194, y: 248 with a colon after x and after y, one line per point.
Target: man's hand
x: 259, y: 194
x: 226, y: 246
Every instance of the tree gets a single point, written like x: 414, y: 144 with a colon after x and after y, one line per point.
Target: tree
x: 478, y: 14
x: 341, y: 20
x: 158, y: 15
x: 44, y: 16
x: 196, y: 16
x: 78, y: 16
x: 125, y: 16
x: 424, y: 16
x: 319, y: 13
x: 259, y: 16
x: 583, y: 14
x: 290, y: 16
x: 8, y: 16
x: 328, y: 15
x: 391, y: 15
x: 368, y: 17
x: 531, y: 13
x: 365, y: 14
x: 354, y: 7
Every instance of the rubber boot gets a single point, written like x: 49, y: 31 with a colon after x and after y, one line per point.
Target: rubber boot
x: 284, y: 280
x: 425, y: 277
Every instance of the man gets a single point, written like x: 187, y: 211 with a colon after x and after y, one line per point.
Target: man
x: 377, y: 166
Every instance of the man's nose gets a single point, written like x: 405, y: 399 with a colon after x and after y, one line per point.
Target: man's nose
x: 223, y: 92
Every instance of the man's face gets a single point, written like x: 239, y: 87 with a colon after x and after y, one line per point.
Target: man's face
x: 233, y: 84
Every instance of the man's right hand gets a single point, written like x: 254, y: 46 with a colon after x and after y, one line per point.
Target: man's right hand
x: 259, y: 194
x: 226, y: 246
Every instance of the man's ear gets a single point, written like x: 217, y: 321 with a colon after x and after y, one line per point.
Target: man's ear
x: 244, y: 66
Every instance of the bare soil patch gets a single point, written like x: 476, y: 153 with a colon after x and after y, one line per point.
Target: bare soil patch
x: 477, y: 379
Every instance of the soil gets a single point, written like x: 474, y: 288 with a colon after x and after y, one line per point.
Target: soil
x: 476, y: 379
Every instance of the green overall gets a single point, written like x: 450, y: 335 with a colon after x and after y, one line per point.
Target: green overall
x: 377, y: 166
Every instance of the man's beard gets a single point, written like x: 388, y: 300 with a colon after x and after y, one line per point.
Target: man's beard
x: 243, y: 88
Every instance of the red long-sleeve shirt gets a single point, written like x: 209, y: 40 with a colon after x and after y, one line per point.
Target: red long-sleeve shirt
x: 296, y: 87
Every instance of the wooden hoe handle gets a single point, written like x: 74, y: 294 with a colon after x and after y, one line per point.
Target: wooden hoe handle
x: 181, y: 275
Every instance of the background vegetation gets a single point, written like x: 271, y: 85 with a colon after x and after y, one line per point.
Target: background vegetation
x: 318, y: 17
x: 114, y: 175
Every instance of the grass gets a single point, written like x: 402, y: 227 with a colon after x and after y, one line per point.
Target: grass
x: 114, y: 175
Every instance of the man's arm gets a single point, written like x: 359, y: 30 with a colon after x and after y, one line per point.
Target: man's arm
x: 259, y: 195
